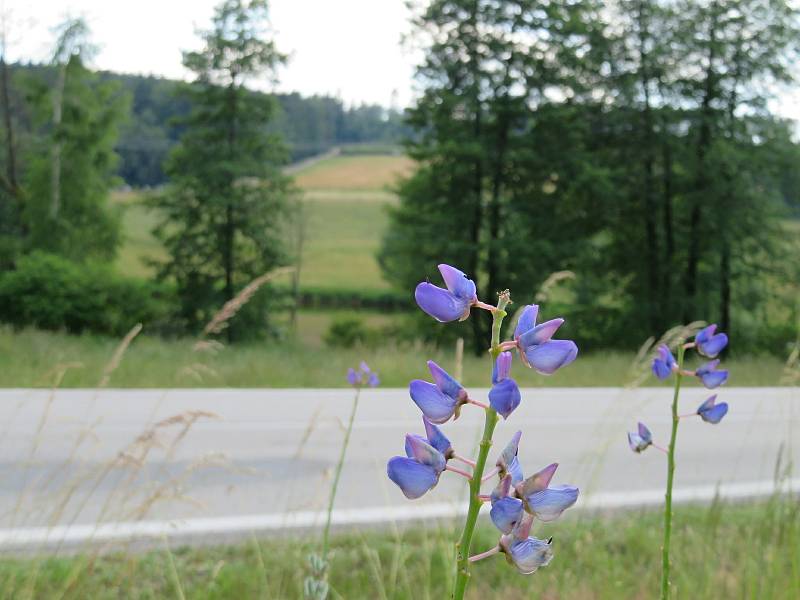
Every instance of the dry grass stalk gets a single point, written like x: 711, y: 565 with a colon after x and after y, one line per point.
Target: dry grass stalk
x: 116, y: 358
x: 640, y: 366
x: 552, y: 281
x: 232, y: 306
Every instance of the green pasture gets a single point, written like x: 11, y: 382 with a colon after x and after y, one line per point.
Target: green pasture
x: 748, y: 551
x: 35, y: 358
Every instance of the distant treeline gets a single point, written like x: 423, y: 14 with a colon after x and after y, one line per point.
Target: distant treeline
x: 308, y: 125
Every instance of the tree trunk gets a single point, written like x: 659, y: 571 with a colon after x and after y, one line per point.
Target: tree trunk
x: 229, y: 232
x: 55, y: 150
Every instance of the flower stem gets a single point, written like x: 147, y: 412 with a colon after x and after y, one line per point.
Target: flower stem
x: 464, y: 543
x: 665, y: 562
x: 487, y: 554
x: 338, y: 474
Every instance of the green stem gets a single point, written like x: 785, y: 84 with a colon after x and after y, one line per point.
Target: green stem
x: 338, y: 474
x: 465, y: 542
x: 665, y: 563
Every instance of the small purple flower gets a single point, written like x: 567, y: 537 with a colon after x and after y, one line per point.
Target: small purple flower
x: 508, y: 463
x: 710, y: 376
x: 526, y: 553
x: 544, y: 502
x: 711, y: 412
x: 440, y: 400
x: 709, y: 343
x: 504, y: 396
x: 506, y: 510
x: 641, y: 440
x: 665, y: 364
x: 449, y: 304
x: 537, y: 350
x: 363, y: 376
x: 419, y: 470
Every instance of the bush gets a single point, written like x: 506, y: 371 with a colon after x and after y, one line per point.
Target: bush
x: 51, y: 292
x: 346, y: 333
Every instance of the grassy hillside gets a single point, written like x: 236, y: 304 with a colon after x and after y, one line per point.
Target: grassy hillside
x: 344, y: 200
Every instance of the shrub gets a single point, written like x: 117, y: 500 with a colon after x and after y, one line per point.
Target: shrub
x: 51, y: 292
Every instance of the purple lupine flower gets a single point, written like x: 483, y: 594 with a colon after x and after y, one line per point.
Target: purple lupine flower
x: 504, y: 396
x: 431, y: 452
x: 440, y: 400
x: 449, y: 304
x: 711, y: 412
x: 544, y: 502
x: 711, y: 376
x: 419, y: 470
x: 709, y: 343
x: 665, y: 364
x: 508, y: 463
x: 641, y: 440
x: 506, y: 510
x: 363, y: 376
x: 536, y: 348
x: 526, y: 553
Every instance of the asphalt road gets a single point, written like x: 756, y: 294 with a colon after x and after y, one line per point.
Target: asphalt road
x: 75, y: 458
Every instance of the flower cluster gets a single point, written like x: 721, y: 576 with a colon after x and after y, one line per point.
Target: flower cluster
x: 515, y: 501
x: 363, y: 376
x: 709, y: 344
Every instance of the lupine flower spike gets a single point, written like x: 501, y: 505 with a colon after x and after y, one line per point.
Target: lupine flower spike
x: 707, y: 343
x: 515, y: 501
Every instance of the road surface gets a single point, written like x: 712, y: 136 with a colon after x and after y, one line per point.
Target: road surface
x: 84, y: 464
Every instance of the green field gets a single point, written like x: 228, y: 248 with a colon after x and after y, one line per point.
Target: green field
x: 344, y: 207
x: 720, y: 551
x: 34, y: 358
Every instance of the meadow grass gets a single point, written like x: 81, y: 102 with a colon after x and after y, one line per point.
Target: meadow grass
x: 722, y: 551
x: 32, y: 358
x: 361, y: 172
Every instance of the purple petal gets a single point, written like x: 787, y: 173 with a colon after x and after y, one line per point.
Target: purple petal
x: 637, y: 443
x: 705, y: 334
x: 540, y: 334
x: 420, y: 450
x: 435, y: 405
x: 504, y: 397
x: 502, y: 490
x: 437, y: 439
x: 660, y: 369
x: 530, y: 554
x: 502, y: 367
x: 548, y: 504
x: 666, y: 355
x: 439, y: 303
x: 458, y: 283
x: 413, y: 478
x: 445, y: 382
x: 708, y: 404
x: 509, y: 453
x: 506, y: 513
x: 538, y: 481
x: 373, y: 380
x: 714, y: 379
x: 353, y: 378
x: 713, y: 346
x: 527, y: 320
x: 364, y: 367
x: 551, y: 356
x: 644, y: 432
x: 715, y: 413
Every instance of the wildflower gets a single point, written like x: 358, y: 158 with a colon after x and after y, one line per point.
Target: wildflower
x: 508, y: 463
x: 709, y: 343
x: 426, y: 458
x: 641, y: 440
x: 665, y: 364
x: 504, y: 396
x: 449, y: 304
x: 363, y: 376
x: 711, y: 412
x: 440, y: 400
x: 537, y: 349
x: 544, y: 502
x: 710, y: 376
x: 506, y: 510
x: 526, y: 553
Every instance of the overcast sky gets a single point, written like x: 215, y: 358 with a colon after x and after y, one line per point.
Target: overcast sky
x: 347, y: 48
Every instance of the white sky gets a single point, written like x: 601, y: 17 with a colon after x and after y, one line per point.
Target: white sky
x: 345, y: 48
